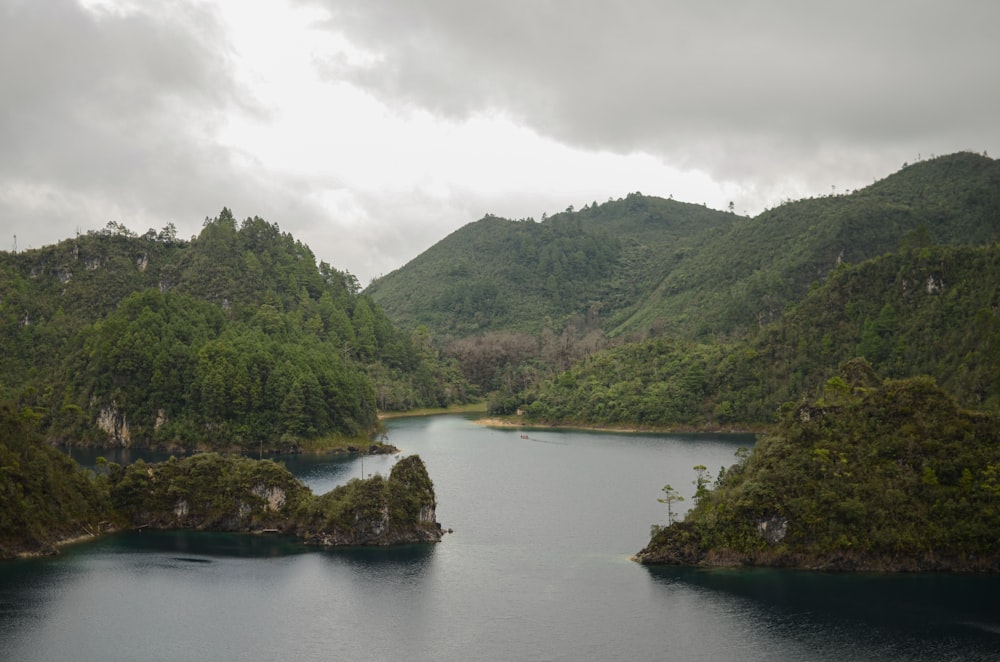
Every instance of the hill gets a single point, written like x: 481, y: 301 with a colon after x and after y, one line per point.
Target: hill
x: 498, y: 274
x: 644, y: 264
x: 49, y: 499
x: 747, y: 275
x: 46, y: 496
x: 234, y: 339
x: 875, y: 475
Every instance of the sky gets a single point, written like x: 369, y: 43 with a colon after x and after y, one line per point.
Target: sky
x: 371, y: 129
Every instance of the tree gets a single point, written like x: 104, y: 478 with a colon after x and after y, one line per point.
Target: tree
x: 671, y: 496
x: 363, y: 322
x: 701, y: 482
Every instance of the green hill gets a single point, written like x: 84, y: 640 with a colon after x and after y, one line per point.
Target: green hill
x: 747, y: 275
x: 46, y: 496
x: 49, y: 499
x: 236, y: 338
x: 644, y: 264
x: 497, y: 274
x: 875, y: 475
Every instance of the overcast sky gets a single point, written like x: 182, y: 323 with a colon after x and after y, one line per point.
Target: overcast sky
x: 371, y: 129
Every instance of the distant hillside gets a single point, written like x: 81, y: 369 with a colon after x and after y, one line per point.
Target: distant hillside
x: 749, y: 273
x: 236, y: 338
x: 645, y: 264
x: 497, y: 274
x: 924, y: 311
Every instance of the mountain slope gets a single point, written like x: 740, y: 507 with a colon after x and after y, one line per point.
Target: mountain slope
x: 641, y: 263
x: 930, y: 311
x: 747, y: 275
x: 497, y: 274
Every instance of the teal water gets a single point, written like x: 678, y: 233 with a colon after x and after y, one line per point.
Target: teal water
x: 537, y: 569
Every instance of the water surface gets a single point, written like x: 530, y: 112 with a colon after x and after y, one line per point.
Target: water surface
x: 537, y: 569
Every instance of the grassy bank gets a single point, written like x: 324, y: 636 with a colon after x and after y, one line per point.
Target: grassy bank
x: 519, y: 422
x: 470, y: 408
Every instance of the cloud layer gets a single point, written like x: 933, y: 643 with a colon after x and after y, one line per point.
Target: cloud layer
x: 373, y: 128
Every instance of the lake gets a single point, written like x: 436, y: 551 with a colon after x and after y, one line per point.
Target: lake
x: 537, y: 568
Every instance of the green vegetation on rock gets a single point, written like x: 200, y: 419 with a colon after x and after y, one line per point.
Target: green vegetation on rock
x: 883, y: 475
x: 45, y: 497
x: 209, y: 491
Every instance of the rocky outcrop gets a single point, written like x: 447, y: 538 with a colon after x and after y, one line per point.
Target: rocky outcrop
x: 112, y: 420
x: 211, y: 492
x: 393, y: 511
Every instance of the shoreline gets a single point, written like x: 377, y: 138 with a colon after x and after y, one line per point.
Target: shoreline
x: 53, y: 547
x: 472, y: 408
x: 513, y: 422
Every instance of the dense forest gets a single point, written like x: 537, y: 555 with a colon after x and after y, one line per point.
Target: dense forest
x: 883, y: 475
x: 642, y: 263
x: 926, y: 311
x: 521, y: 276
x: 46, y: 496
x: 234, y: 339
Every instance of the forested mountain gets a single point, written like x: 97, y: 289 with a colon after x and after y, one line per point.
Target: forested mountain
x: 642, y: 263
x: 749, y: 273
x: 238, y: 336
x: 234, y: 338
x: 502, y: 275
x: 738, y: 314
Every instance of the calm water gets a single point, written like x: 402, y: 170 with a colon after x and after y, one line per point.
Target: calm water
x: 537, y: 569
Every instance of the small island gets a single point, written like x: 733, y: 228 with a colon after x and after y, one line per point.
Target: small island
x: 882, y: 476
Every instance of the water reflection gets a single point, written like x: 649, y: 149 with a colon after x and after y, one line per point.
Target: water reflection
x: 921, y: 615
x: 403, y: 557
x: 199, y: 543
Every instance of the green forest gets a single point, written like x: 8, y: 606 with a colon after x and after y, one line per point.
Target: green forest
x: 927, y: 311
x: 236, y: 339
x: 875, y: 474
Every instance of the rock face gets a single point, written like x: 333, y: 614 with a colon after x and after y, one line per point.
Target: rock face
x: 112, y: 421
